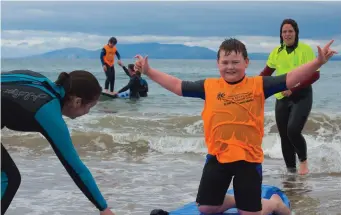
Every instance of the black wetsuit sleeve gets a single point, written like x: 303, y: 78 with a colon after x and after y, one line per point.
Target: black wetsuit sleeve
x: 127, y: 87
x: 103, y: 53
x: 274, y: 84
x: 126, y: 71
x: 53, y: 127
x: 195, y: 89
x: 118, y: 55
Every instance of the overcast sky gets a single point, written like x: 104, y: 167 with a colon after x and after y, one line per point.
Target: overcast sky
x: 35, y: 27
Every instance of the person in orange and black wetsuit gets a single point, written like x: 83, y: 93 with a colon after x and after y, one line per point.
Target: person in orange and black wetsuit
x: 233, y: 119
x: 108, y: 60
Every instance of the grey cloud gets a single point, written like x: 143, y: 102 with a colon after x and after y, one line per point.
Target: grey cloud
x: 172, y: 18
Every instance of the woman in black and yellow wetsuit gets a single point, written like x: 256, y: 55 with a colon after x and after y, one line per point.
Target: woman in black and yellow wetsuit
x: 32, y: 103
x: 293, y: 106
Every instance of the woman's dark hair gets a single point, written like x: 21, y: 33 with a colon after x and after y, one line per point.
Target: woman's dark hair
x: 131, y: 67
x: 293, y: 23
x: 80, y: 83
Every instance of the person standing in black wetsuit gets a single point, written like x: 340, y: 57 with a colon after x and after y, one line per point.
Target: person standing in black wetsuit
x: 293, y: 106
x: 134, y: 84
x: 108, y: 59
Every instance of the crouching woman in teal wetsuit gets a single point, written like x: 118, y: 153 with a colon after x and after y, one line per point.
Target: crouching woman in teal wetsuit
x: 32, y: 103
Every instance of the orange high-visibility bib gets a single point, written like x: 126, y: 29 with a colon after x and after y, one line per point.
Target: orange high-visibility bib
x: 109, y: 57
x: 233, y: 119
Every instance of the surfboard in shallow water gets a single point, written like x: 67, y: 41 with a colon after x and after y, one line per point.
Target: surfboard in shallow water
x: 267, y: 192
x: 106, y: 96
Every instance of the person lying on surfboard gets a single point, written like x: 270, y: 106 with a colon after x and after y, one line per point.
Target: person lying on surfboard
x: 233, y: 118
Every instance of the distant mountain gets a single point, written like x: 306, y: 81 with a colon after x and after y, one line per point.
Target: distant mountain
x: 67, y: 53
x: 153, y: 50
x: 336, y: 58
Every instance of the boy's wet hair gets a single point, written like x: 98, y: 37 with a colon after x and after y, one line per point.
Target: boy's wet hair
x: 80, y: 83
x: 230, y: 45
x: 112, y: 40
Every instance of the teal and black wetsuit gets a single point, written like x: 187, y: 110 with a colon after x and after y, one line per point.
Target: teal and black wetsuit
x: 32, y: 103
x: 133, y: 86
x: 144, y: 88
x: 138, y: 86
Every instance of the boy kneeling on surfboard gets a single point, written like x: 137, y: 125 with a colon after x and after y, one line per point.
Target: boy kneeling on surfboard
x: 233, y: 119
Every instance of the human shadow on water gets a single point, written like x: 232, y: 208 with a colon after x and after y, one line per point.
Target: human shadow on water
x: 297, y: 188
x: 115, y: 106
